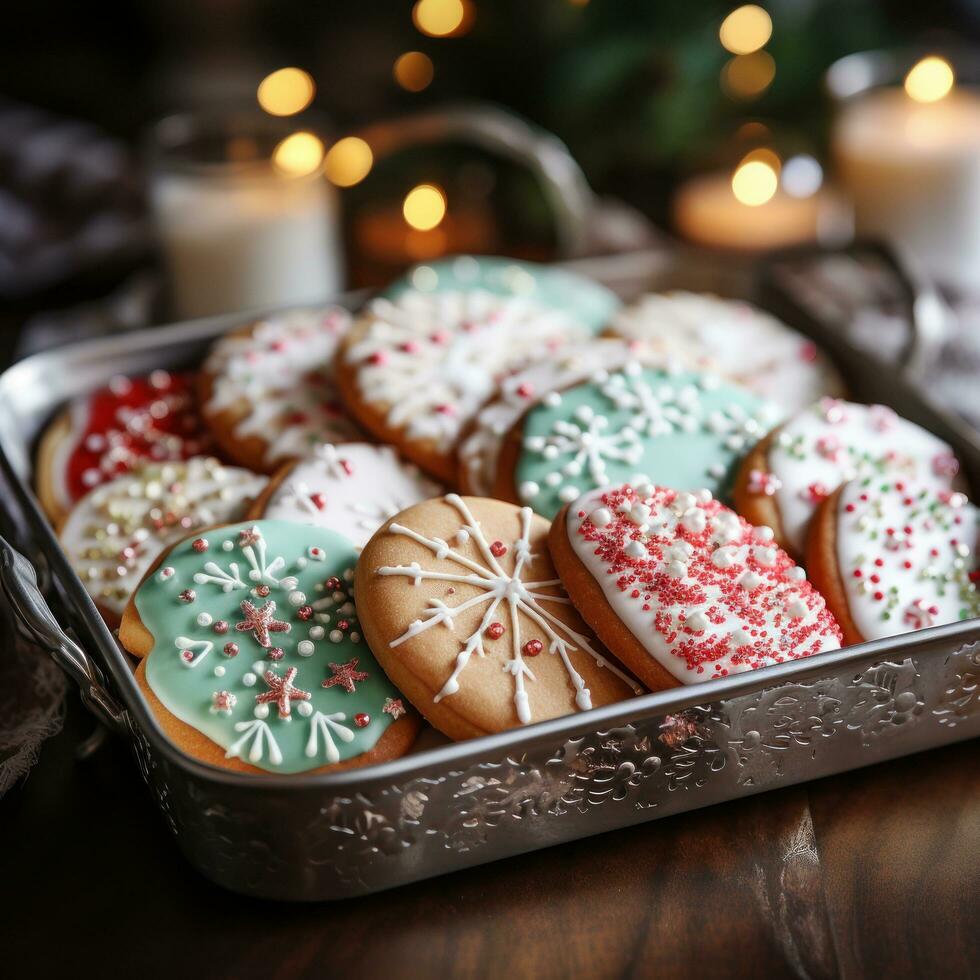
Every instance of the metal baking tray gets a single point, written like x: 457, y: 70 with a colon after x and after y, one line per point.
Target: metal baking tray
x: 453, y: 806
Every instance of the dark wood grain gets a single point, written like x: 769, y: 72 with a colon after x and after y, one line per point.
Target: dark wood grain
x: 870, y: 874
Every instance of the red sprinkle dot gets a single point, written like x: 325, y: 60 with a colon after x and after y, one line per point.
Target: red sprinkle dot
x: 498, y: 549
x: 319, y: 500
x: 186, y: 656
x: 525, y: 390
x: 362, y: 720
x: 304, y: 612
x: 495, y: 631
x: 188, y: 595
x: 262, y: 590
x: 220, y: 626
x: 276, y: 653
x: 857, y: 573
x: 532, y: 648
x: 231, y: 649
x: 332, y: 584
x: 200, y: 544
x: 879, y: 596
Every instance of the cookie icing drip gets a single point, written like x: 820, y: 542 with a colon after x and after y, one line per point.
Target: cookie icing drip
x: 907, y: 556
x: 834, y: 441
x: 113, y: 534
x: 282, y: 371
x: 681, y: 428
x: 703, y: 591
x: 430, y: 360
x: 129, y: 422
x: 269, y: 696
x: 501, y: 595
x: 352, y: 489
x: 735, y: 340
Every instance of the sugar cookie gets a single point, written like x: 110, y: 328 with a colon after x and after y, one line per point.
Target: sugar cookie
x: 681, y: 589
x: 254, y: 658
x: 461, y: 605
x: 267, y: 391
x: 783, y: 480
x: 892, y: 556
x: 352, y: 489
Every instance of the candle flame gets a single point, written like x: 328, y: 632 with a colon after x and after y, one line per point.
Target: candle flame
x: 754, y: 182
x: 930, y: 80
x: 286, y: 91
x: 424, y: 207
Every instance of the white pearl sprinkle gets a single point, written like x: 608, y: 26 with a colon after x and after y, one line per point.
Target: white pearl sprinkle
x: 305, y: 648
x: 249, y: 679
x: 204, y: 619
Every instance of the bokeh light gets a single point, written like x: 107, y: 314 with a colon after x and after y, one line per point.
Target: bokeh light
x: 440, y: 18
x: 747, y: 76
x: 930, y: 80
x: 754, y: 182
x: 424, y: 207
x: 802, y: 176
x: 348, y: 161
x: 414, y: 71
x: 745, y: 29
x: 298, y: 154
x: 286, y: 91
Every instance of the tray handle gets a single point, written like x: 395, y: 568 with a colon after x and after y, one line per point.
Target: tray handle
x: 37, y: 624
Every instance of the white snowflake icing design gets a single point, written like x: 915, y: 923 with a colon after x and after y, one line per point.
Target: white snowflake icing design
x: 323, y: 726
x: 256, y: 737
x: 497, y: 587
x: 587, y: 440
x: 432, y: 360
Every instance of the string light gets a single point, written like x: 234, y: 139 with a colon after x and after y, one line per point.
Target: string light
x: 745, y: 29
x: 754, y: 182
x: 286, y: 91
x: 930, y: 80
x: 298, y: 154
x: 441, y: 18
x: 348, y: 162
x: 747, y: 76
x: 424, y: 207
x: 802, y: 176
x: 414, y: 71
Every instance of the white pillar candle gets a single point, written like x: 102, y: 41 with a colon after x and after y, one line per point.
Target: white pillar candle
x: 707, y: 212
x: 239, y: 241
x: 912, y: 169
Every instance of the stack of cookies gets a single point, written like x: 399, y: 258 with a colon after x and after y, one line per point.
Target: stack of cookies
x: 491, y: 497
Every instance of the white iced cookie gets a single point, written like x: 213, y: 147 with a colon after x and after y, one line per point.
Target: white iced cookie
x: 351, y: 489
x: 735, y: 339
x: 114, y: 533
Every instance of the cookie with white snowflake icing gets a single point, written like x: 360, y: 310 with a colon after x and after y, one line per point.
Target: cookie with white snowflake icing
x: 734, y: 339
x: 112, y: 430
x: 113, y: 534
x: 684, y: 590
x: 268, y: 391
x: 253, y: 654
x: 417, y: 366
x: 352, y: 489
x: 461, y: 606
x: 892, y: 556
x: 479, y: 452
x: 679, y: 428
x: 783, y: 480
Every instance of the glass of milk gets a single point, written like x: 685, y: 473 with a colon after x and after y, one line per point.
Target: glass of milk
x: 245, y: 218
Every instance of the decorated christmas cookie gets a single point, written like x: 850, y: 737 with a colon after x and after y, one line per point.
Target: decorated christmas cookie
x: 461, y: 605
x: 352, y: 489
x: 682, y: 589
x: 734, y: 339
x: 683, y: 429
x: 268, y: 393
x: 783, y: 480
x: 892, y: 556
x: 479, y: 451
x: 418, y: 365
x: 114, y: 532
x: 105, y: 434
x: 253, y: 654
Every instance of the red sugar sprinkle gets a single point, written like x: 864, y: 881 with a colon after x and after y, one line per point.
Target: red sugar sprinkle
x: 200, y: 544
x: 495, y: 631
x: 878, y: 596
x: 362, y: 720
x: 498, y: 549
x: 525, y: 390
x: 319, y: 500
x: 532, y: 648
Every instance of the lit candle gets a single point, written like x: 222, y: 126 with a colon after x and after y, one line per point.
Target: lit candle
x: 249, y: 234
x: 752, y: 209
x: 910, y: 159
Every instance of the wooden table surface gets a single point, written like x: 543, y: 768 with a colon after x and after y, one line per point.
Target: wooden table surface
x: 875, y: 873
